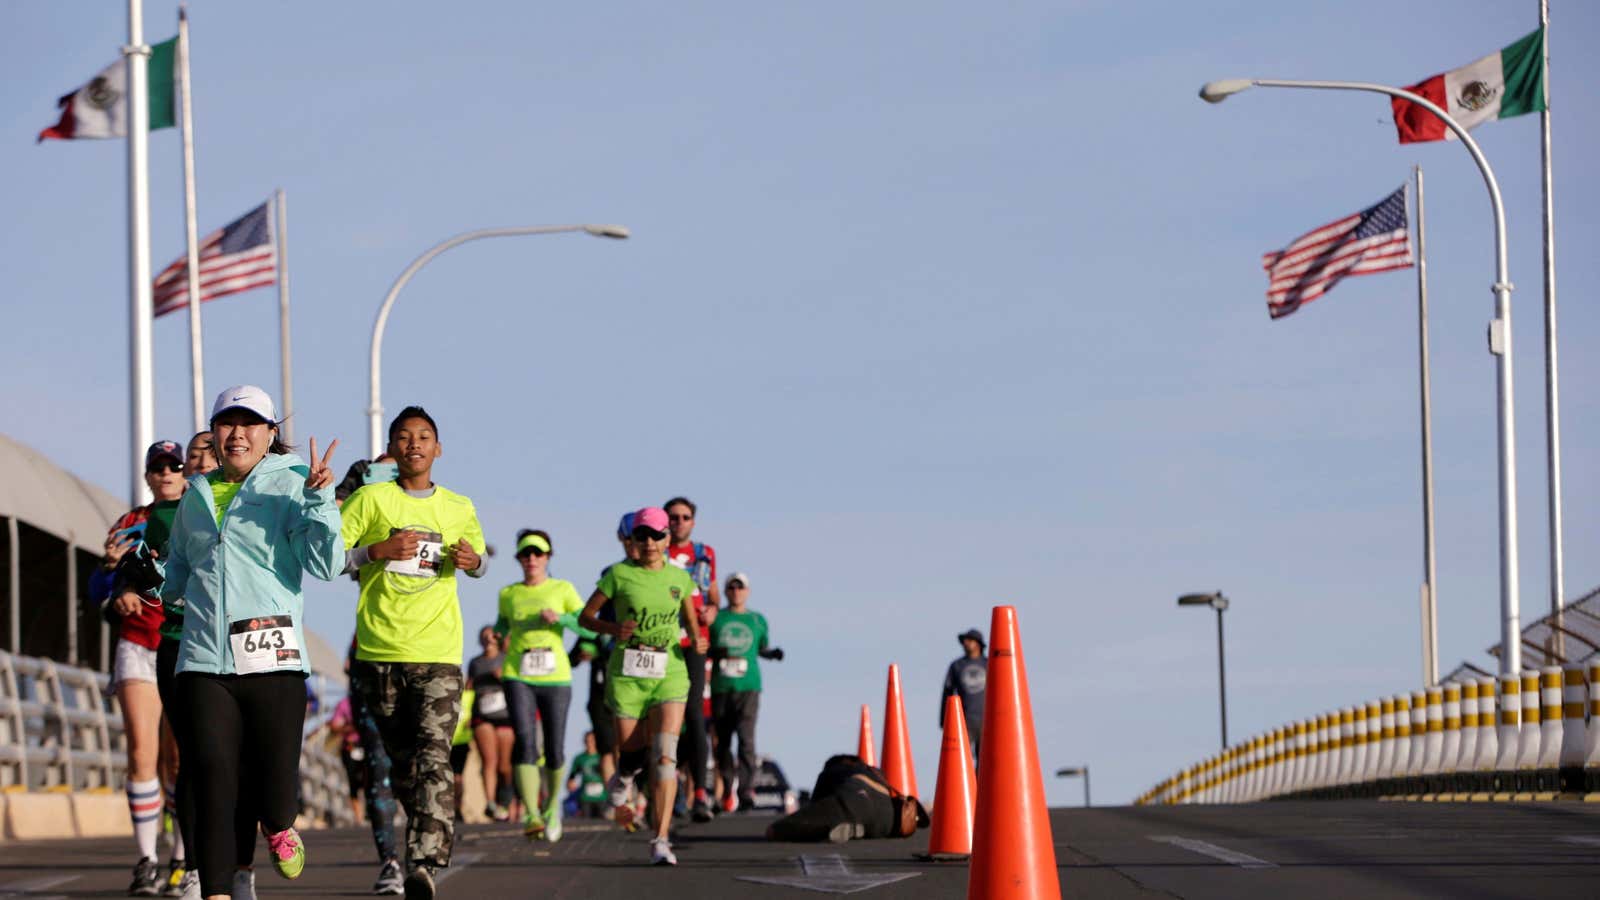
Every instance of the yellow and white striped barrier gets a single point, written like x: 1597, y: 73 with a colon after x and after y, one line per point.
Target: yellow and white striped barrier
x: 1467, y: 745
x: 1401, y: 764
x: 1529, y: 736
x: 1419, y: 733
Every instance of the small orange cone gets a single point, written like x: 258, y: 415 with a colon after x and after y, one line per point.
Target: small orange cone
x: 864, y: 743
x: 1013, y: 853
x: 897, y: 767
x: 950, y: 834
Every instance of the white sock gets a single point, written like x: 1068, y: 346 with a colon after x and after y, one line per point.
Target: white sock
x: 177, y: 833
x: 144, y: 806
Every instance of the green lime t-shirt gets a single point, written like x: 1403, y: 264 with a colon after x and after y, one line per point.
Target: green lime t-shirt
x: 653, y: 598
x: 736, y: 638
x: 222, y: 493
x: 409, y: 610
x: 525, y: 630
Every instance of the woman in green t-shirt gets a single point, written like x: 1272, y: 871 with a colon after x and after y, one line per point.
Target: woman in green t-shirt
x: 537, y: 677
x: 647, y: 678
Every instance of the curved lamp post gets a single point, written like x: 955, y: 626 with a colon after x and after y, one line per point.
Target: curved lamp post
x: 375, y: 404
x: 1219, y: 603
x: 1077, y: 770
x: 1499, y: 340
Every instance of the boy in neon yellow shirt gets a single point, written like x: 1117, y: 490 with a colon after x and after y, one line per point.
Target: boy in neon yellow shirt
x: 408, y: 539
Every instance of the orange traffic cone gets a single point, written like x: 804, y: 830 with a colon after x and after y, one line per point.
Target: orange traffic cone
x: 864, y: 742
x: 898, y: 769
x: 1013, y: 853
x: 950, y: 836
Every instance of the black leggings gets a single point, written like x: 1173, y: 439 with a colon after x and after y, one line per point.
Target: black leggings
x: 692, y: 750
x: 183, y: 790
x: 240, y: 724
x: 550, y: 701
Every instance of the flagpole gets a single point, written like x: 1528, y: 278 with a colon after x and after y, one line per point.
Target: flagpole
x: 280, y: 237
x: 1430, y: 596
x: 197, y: 367
x: 141, y: 381
x: 1551, y: 387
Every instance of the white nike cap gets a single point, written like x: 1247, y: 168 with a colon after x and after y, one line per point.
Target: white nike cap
x: 247, y: 397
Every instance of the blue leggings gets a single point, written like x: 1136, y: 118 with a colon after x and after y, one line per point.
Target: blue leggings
x: 549, y: 703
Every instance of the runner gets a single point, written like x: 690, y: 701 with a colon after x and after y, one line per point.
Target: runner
x: 700, y: 561
x: 586, y: 782
x: 966, y: 678
x: 738, y: 637
x: 200, y: 458
x: 137, y: 617
x: 377, y: 786
x: 647, y: 678
x: 491, y: 725
x: 409, y: 538
x: 241, y: 544
x: 538, y: 678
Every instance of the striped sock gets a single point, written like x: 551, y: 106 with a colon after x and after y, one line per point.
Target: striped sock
x: 144, y: 805
x: 171, y: 792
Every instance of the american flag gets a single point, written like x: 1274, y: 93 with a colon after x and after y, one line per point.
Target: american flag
x: 1376, y: 239
x: 237, y: 257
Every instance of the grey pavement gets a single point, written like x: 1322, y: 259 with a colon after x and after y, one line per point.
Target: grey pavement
x: 1301, y: 850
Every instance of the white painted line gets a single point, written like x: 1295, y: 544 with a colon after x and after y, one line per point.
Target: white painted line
x: 1242, y: 860
x: 31, y: 888
x: 1576, y: 839
x: 457, y: 863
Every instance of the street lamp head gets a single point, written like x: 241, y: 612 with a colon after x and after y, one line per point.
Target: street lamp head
x: 619, y: 232
x: 1218, y: 91
x: 1215, y: 600
x: 1075, y: 770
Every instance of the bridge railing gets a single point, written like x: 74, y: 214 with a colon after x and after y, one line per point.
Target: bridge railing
x: 1533, y: 735
x: 60, y: 730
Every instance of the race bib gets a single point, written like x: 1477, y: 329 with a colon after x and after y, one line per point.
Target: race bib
x: 429, y: 558
x: 594, y: 790
x: 538, y: 662
x: 264, y: 644
x: 644, y: 663
x: 733, y: 666
x: 491, y: 703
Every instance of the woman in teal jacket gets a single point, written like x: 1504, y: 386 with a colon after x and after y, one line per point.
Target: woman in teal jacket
x: 241, y: 541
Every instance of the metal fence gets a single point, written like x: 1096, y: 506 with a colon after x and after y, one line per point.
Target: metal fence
x: 60, y: 730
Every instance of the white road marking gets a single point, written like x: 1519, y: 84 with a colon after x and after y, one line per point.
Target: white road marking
x: 830, y: 874
x: 1242, y: 860
x: 31, y: 887
x: 457, y: 863
x: 1577, y: 839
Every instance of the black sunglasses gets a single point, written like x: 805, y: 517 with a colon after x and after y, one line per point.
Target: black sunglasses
x: 532, y: 551
x: 155, y: 468
x: 648, y: 534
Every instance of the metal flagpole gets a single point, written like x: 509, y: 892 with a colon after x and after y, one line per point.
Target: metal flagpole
x: 1551, y: 388
x: 197, y: 366
x: 141, y: 381
x: 280, y: 234
x: 1430, y: 596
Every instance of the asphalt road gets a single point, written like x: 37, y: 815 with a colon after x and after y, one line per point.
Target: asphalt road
x: 1301, y: 850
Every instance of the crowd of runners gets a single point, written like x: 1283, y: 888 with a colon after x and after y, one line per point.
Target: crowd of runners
x: 204, y: 588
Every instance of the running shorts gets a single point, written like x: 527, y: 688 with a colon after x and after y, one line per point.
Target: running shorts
x: 632, y: 698
x: 133, y: 663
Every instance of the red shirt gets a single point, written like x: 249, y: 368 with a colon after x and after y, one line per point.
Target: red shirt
x: 704, y: 574
x: 143, y: 627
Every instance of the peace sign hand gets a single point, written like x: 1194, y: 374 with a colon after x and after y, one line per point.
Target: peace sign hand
x: 321, y: 472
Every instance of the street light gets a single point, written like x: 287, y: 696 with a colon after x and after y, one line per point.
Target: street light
x: 1499, y: 340
x: 375, y: 405
x: 1219, y: 603
x: 1077, y: 770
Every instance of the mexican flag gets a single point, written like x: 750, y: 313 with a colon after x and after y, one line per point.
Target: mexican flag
x: 1501, y: 85
x: 97, y: 110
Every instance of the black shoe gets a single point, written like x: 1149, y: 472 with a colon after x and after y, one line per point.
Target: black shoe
x: 701, y: 812
x: 419, y: 884
x: 146, y: 879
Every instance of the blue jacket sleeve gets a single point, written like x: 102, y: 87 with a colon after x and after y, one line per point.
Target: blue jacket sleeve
x: 175, y: 568
x: 100, y: 585
x: 314, y: 535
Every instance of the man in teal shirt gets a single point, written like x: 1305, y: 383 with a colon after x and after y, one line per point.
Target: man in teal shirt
x: 739, y: 641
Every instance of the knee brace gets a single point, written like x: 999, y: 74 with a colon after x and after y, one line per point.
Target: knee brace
x: 666, y: 756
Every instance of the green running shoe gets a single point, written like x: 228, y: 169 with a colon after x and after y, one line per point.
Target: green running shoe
x: 288, y: 852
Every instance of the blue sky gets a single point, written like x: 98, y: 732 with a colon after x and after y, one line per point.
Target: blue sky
x: 929, y: 307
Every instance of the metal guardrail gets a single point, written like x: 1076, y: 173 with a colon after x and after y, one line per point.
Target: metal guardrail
x: 60, y: 730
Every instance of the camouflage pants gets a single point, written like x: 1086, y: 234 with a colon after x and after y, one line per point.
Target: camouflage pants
x: 416, y: 706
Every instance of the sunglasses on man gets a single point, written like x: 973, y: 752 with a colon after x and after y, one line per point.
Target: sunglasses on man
x: 158, y: 468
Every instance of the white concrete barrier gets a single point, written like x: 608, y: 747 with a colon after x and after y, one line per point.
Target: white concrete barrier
x: 1346, y: 747
x: 1467, y: 744
x: 1385, y: 737
x: 1369, y: 769
x: 1488, y: 742
x: 1450, y: 745
x: 1574, y: 703
x: 1550, y: 718
x: 1322, y: 756
x: 1401, y: 763
x: 1358, y: 745
x: 1433, y: 739
x: 1419, y: 733
x: 1509, y: 734
x: 1529, y: 736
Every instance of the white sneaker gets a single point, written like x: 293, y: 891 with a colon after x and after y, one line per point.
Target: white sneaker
x: 244, y: 884
x: 189, y: 886
x: 661, y: 853
x: 620, y: 787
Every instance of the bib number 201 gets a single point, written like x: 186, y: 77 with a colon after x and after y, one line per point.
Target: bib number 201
x: 644, y: 663
x: 264, y: 644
